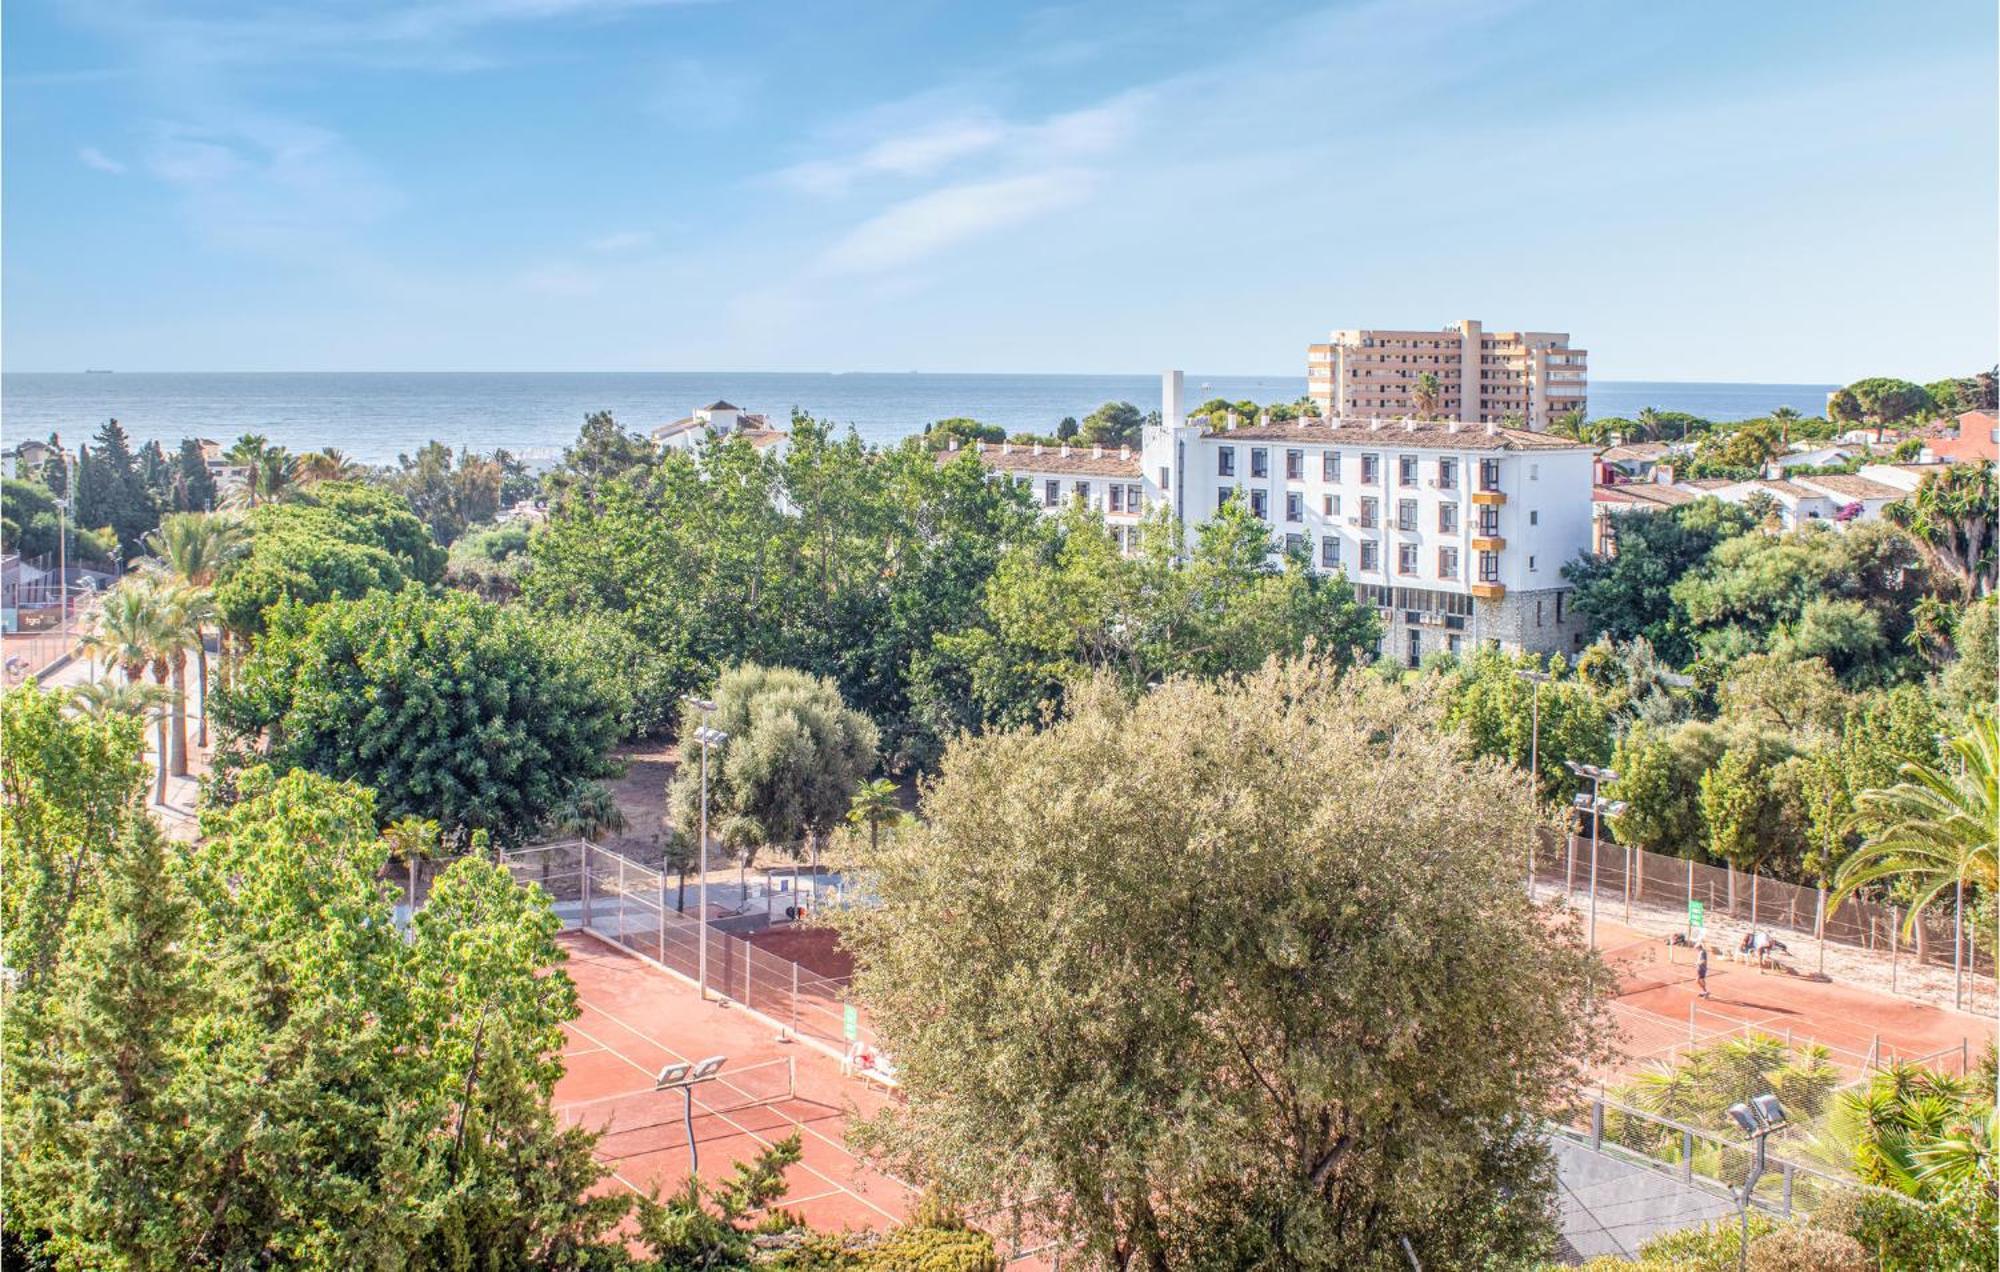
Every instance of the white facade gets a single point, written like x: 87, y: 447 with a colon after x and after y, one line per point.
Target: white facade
x: 721, y: 419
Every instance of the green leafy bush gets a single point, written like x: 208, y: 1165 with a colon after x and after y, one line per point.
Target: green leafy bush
x: 1798, y: 1248
x: 932, y: 1250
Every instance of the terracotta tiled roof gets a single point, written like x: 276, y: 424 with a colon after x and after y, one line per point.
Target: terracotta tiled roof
x: 761, y: 437
x: 1082, y: 461
x: 1854, y: 486
x: 1396, y: 434
x: 1644, y: 494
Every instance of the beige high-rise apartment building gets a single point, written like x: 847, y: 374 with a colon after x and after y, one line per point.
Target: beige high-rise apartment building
x: 1483, y: 377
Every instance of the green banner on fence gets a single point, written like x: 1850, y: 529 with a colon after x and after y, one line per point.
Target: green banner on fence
x: 850, y: 1022
x: 1697, y: 914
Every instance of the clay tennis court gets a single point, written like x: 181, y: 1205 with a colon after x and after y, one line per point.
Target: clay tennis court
x: 637, y: 1018
x: 1657, y: 992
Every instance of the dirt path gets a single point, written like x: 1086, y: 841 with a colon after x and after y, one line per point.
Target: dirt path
x: 642, y: 796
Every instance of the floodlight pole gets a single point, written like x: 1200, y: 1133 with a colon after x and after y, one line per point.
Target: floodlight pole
x: 1596, y: 807
x: 687, y: 1116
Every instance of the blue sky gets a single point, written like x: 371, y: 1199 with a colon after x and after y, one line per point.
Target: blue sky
x: 1787, y: 190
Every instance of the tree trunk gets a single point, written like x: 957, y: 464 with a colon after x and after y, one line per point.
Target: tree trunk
x: 201, y: 688
x: 160, y: 733
x: 177, y: 739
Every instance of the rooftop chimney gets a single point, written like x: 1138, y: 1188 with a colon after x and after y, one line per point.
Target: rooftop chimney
x: 954, y: 443
x: 1492, y: 429
x: 1230, y: 419
x: 1006, y: 448
x: 1064, y: 452
x: 1097, y: 452
x: 1452, y: 427
x: 1663, y: 474
x: 1124, y: 452
x: 1264, y: 418
x: 1038, y: 449
x: 1170, y: 400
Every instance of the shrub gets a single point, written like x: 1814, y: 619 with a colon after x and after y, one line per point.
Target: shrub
x: 933, y: 1250
x: 1797, y: 1248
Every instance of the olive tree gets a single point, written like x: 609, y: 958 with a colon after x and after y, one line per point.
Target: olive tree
x: 1228, y: 974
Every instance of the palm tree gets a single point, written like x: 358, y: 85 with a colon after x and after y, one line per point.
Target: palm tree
x: 412, y: 841
x: 137, y: 627
x: 194, y: 547
x: 1784, y: 417
x: 330, y: 464
x: 875, y: 806
x: 103, y: 699
x: 1650, y: 425
x: 1426, y: 395
x: 588, y: 812
x: 173, y: 630
x: 1934, y: 829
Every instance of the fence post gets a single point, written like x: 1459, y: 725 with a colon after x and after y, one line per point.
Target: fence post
x: 1596, y: 1126
x: 1958, y: 949
x: 1569, y: 866
x: 747, y: 950
x: 1895, y: 938
x: 1819, y: 927
x: 1786, y: 1171
x: 1689, y: 908
x: 586, y: 885
x: 795, y: 999
x: 1687, y: 1157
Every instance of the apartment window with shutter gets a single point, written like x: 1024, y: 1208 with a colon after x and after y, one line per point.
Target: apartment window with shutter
x: 1163, y: 478
x: 1489, y: 567
x: 1295, y: 465
x: 1369, y: 466
x: 1369, y: 506
x: 1329, y: 550
x: 1489, y: 474
x: 1448, y: 518
x: 1447, y: 563
x: 1118, y: 499
x: 1406, y: 558
x: 1131, y: 499
x: 1406, y: 470
x: 1371, y: 556
x: 1083, y: 492
x: 1259, y: 505
x: 1051, y: 492
x: 1295, y: 507
x: 1329, y: 466
x: 1406, y: 514
x: 1260, y: 462
x: 1225, y: 461
x: 1447, y: 474
x: 1332, y: 505
x: 1295, y: 543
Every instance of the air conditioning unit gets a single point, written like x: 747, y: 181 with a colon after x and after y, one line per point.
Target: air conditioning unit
x: 1354, y: 521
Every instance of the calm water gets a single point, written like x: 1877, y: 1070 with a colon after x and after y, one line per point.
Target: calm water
x: 374, y: 416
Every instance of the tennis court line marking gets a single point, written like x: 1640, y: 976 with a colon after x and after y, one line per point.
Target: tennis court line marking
x: 739, y: 1127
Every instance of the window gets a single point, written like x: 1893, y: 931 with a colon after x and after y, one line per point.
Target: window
x: 1534, y: 472
x: 1371, y: 556
x: 1406, y: 558
x: 1329, y: 550
x: 1406, y: 470
x: 1534, y: 517
x: 1406, y: 514
x: 1369, y: 505
x: 1295, y: 506
x: 1531, y: 563
x: 1083, y: 492
x: 1163, y: 478
x: 1447, y: 563
x: 1448, y: 518
x: 1453, y: 643
x: 1538, y: 613
x: 1489, y: 474
x: 1416, y: 646
x: 1260, y: 461
x: 1258, y: 505
x: 1222, y: 497
x: 1489, y: 567
x: 1131, y: 499
x: 1329, y: 466
x: 1559, y: 607
x: 1369, y: 465
x: 1051, y: 491
x: 1118, y: 499
x: 1295, y: 543
x: 1489, y: 523
x: 1447, y: 474
x: 1295, y: 465
x: 1225, y: 461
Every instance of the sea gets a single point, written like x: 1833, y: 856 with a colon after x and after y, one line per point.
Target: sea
x: 375, y: 416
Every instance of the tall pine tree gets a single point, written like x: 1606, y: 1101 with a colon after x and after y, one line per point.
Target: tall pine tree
x: 117, y: 495
x: 194, y: 485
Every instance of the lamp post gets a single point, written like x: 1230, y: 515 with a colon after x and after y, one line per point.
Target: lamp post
x: 1599, y: 808
x: 1760, y: 1119
x: 708, y: 737
x: 1535, y: 678
x: 682, y: 1076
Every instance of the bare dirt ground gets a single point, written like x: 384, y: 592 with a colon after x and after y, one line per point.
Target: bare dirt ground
x: 642, y: 796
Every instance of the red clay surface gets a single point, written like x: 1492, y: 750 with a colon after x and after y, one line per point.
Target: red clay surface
x: 816, y: 949
x: 637, y: 1018
x: 1659, y: 980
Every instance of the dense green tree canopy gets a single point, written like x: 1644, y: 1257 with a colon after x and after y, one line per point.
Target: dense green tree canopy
x: 449, y: 707
x: 1627, y: 595
x: 343, y: 539
x: 1162, y: 1069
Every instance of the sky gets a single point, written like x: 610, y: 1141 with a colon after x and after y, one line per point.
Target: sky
x: 1780, y: 191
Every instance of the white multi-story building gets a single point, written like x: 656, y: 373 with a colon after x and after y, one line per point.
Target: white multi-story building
x: 1456, y: 532
x: 720, y: 419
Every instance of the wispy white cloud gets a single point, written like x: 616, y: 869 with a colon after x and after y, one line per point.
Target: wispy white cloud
x: 271, y: 185
x: 92, y: 157
x: 930, y: 223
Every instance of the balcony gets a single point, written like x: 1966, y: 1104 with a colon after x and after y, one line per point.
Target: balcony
x: 1489, y: 498
x: 1488, y: 591
x: 1487, y: 543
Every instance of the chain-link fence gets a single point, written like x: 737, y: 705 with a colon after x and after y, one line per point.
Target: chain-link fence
x: 1727, y: 908
x: 596, y: 890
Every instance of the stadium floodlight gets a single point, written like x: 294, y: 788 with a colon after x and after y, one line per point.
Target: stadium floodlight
x: 1768, y: 1110
x: 1598, y: 808
x: 699, y: 704
x: 1760, y: 1119
x: 708, y: 737
x: 1744, y: 1118
x: 709, y: 1068
x: 672, y: 1074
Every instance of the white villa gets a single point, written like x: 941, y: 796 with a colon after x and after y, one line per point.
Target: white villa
x: 721, y: 419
